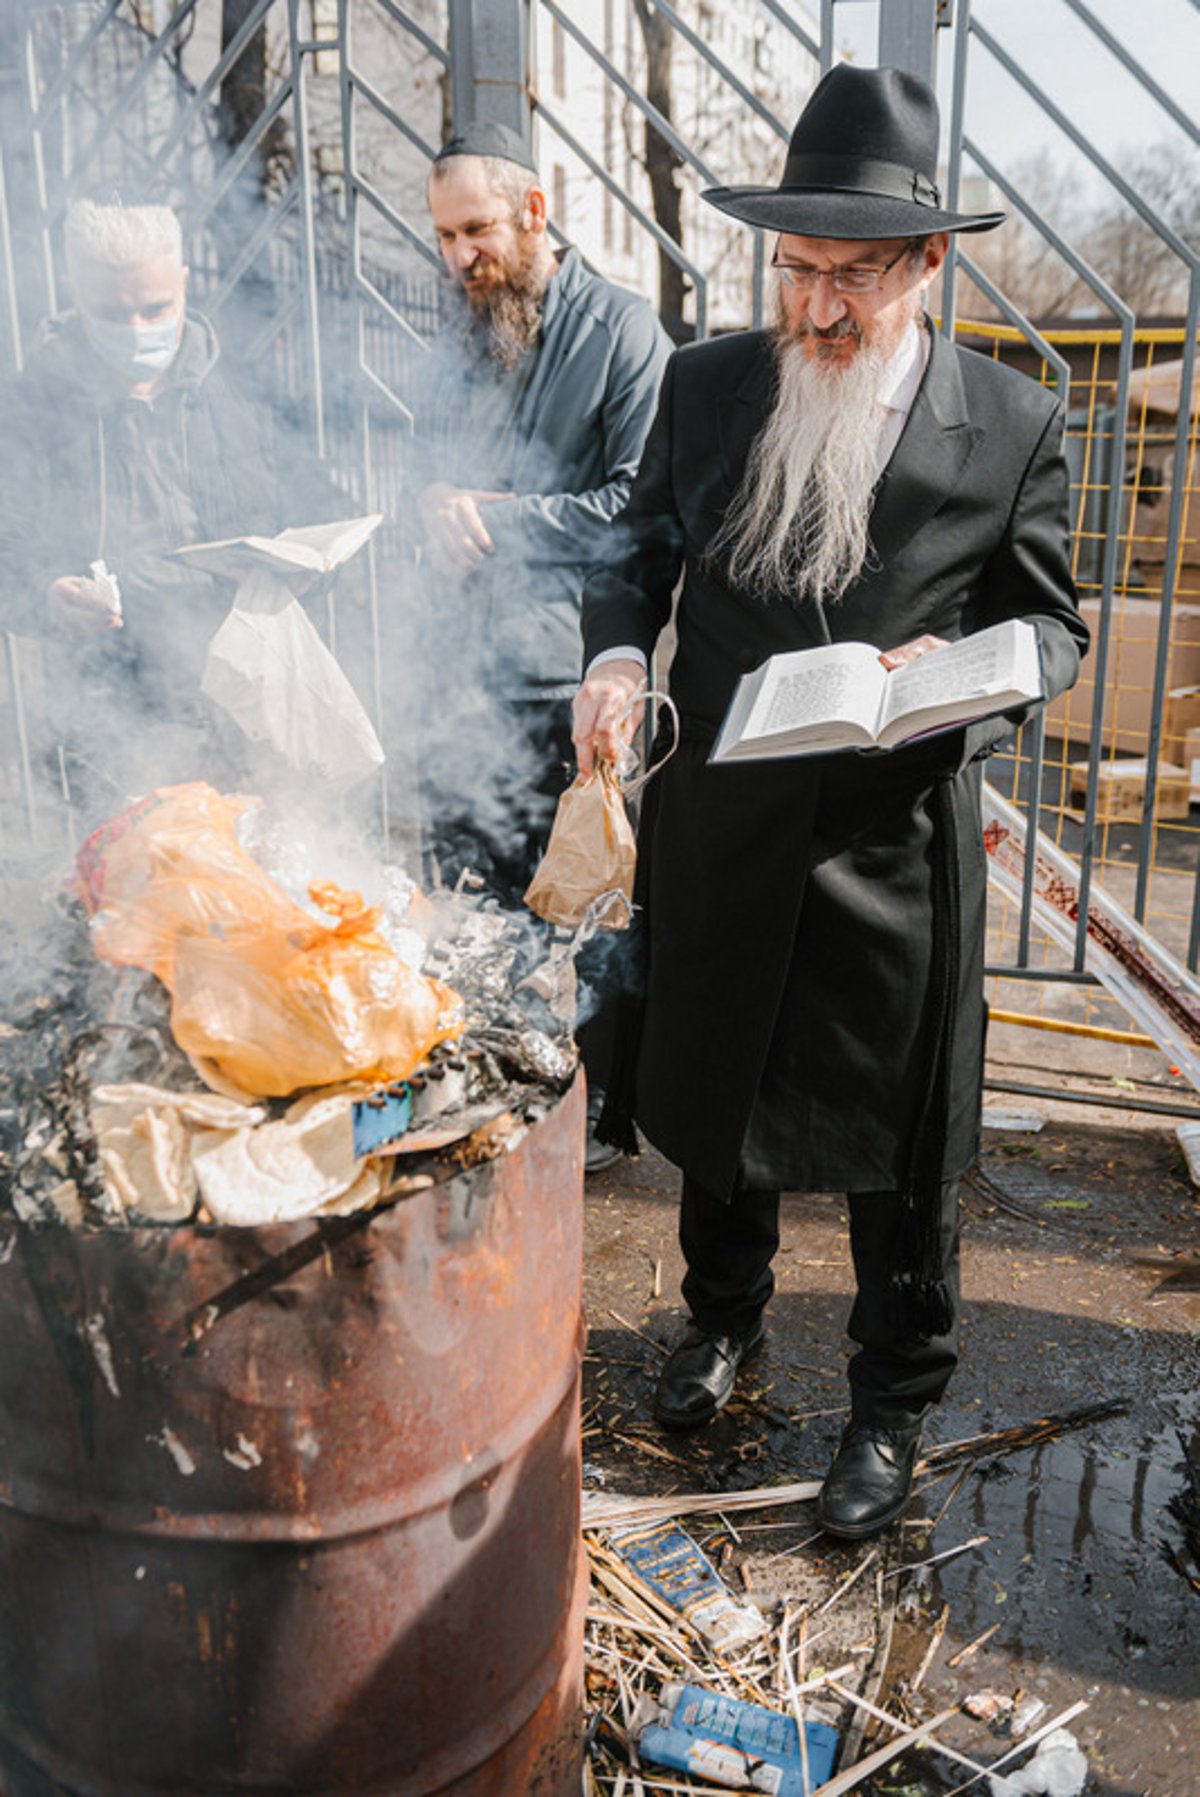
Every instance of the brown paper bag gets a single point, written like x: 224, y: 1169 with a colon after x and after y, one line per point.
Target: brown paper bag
x: 591, y: 851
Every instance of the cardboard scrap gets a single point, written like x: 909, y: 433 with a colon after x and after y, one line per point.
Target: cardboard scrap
x: 301, y: 1164
x: 144, y: 1141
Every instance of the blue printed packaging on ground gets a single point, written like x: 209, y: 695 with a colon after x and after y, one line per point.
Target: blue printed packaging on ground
x: 665, y: 1558
x: 741, y: 1745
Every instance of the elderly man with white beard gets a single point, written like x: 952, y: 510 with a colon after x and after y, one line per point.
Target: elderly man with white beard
x: 812, y: 1014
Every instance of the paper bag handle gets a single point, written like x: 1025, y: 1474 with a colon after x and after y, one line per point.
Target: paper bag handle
x: 629, y: 787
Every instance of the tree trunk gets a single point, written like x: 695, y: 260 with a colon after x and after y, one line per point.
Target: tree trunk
x: 662, y: 162
x: 244, y: 88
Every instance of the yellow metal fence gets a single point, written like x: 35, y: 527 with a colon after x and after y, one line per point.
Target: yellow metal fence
x: 1122, y: 484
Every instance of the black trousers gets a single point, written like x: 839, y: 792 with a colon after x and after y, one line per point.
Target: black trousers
x: 729, y: 1249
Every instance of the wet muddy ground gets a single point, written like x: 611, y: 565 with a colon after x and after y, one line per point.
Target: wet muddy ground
x: 1081, y: 1284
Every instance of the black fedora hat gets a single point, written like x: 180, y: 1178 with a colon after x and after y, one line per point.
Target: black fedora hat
x: 862, y: 163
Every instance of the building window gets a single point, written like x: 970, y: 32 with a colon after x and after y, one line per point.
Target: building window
x: 558, y: 186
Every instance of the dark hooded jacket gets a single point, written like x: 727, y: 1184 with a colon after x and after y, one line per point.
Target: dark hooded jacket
x: 92, y: 472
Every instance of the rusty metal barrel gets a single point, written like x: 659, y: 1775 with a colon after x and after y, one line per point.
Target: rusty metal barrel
x: 296, y: 1509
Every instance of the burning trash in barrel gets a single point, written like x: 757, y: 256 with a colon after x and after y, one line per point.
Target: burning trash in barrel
x: 219, y: 1051
x: 290, y: 1331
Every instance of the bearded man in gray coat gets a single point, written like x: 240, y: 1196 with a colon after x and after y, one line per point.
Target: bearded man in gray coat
x: 813, y: 1016
x: 529, y: 421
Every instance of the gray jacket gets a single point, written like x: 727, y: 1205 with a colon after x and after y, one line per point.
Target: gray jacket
x: 563, y: 432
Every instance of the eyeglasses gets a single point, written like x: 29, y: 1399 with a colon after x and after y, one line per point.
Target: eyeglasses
x: 844, y: 280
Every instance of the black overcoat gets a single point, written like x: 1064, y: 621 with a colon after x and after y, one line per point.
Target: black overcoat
x: 799, y: 914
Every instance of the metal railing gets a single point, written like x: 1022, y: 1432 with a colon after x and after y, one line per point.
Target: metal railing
x: 311, y: 221
x: 1107, y: 773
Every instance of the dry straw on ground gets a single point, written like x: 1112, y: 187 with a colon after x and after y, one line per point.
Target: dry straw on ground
x: 801, y: 1665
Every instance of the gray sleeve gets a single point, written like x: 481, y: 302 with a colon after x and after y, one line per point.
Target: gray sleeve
x: 627, y: 598
x: 569, y: 528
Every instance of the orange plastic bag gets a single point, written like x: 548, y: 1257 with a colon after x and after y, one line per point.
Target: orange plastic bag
x: 277, y: 1000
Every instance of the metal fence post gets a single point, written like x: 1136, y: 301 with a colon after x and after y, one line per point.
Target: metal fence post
x: 906, y: 35
x: 490, y: 48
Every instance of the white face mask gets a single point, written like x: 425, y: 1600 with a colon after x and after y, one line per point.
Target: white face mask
x: 137, y: 352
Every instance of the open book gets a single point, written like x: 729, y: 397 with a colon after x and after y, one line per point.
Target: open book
x: 840, y: 696
x: 305, y: 549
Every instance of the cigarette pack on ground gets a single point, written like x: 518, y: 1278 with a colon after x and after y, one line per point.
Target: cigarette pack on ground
x: 727, y: 1742
x: 665, y: 1558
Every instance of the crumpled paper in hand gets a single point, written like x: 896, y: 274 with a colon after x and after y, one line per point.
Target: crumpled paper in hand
x: 268, y: 668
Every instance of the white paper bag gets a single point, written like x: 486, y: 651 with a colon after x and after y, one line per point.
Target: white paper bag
x: 269, y: 670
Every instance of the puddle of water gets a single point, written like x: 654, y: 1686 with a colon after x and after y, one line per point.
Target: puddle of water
x: 1074, y: 1575
x: 1074, y: 1570
x: 1085, y: 1603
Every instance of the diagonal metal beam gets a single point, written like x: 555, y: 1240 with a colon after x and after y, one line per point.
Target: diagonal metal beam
x: 199, y: 99
x: 148, y: 66
x: 1184, y: 120
x: 708, y: 55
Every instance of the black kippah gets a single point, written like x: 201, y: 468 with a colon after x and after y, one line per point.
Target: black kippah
x: 483, y: 138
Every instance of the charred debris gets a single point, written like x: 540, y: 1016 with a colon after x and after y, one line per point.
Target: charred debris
x: 73, y: 1026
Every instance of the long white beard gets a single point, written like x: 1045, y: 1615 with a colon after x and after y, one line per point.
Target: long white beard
x: 798, y: 523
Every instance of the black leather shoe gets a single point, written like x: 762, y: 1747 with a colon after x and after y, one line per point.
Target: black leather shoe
x: 699, y: 1376
x: 869, y: 1483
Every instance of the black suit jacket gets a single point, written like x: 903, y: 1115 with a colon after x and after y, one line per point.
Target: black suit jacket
x: 804, y: 981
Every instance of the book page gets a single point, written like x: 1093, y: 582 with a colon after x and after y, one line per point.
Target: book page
x: 838, y: 684
x: 309, y: 548
x: 966, y: 677
x: 333, y: 543
x: 233, y: 555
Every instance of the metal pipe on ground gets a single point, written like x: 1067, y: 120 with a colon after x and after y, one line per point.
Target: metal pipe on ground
x: 1116, y: 1101
x: 1094, y: 1032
